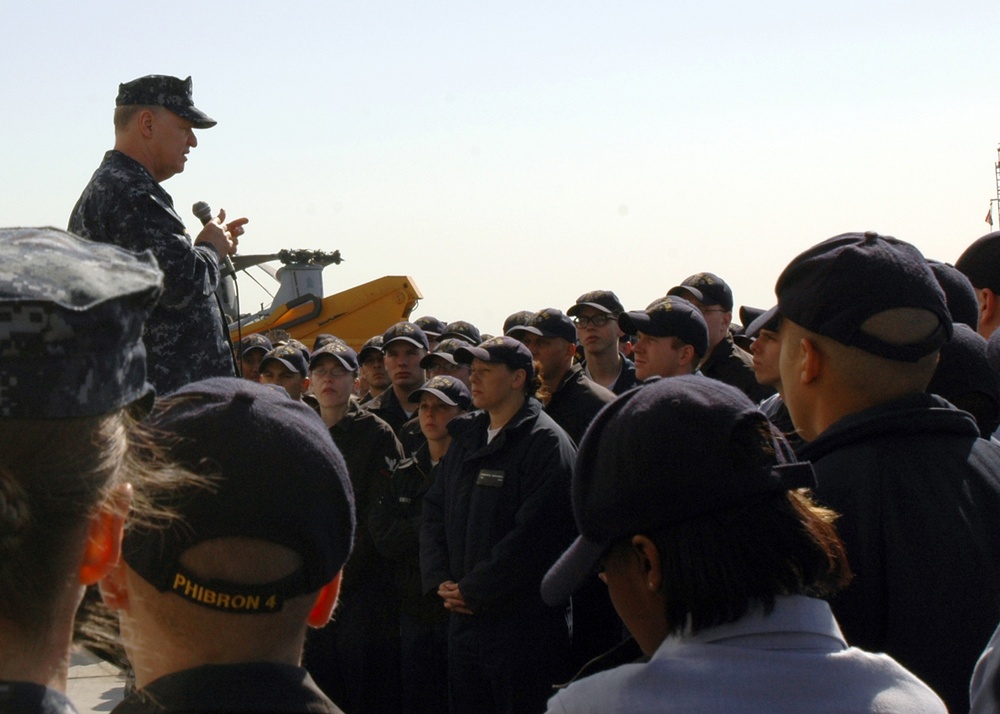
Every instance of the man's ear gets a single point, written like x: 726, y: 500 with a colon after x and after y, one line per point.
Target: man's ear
x: 145, y: 119
x: 305, y: 383
x: 811, y: 361
x: 988, y: 306
x: 688, y: 355
x: 325, y: 602
x: 104, y: 539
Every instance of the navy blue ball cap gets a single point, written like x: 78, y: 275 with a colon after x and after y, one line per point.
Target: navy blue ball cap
x: 547, y: 323
x: 959, y: 294
x: 275, y: 475
x: 603, y: 300
x: 408, y: 332
x: 339, y: 350
x: 255, y: 341
x: 374, y: 344
x: 445, y: 349
x: 431, y: 326
x: 521, y: 317
x: 71, y: 319
x: 159, y: 90
x: 663, y: 455
x: 290, y: 356
x: 449, y: 390
x: 670, y: 316
x: 835, y: 286
x: 462, y: 330
x: 505, y: 350
x: 707, y: 288
x: 766, y: 320
x: 980, y: 262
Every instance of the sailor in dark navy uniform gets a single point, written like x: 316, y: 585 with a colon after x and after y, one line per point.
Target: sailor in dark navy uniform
x: 186, y: 337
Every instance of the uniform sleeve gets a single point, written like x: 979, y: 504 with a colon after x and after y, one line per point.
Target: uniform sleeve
x: 434, y: 560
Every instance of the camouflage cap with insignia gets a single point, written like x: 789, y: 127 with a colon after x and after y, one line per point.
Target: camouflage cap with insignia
x: 71, y: 320
x: 160, y: 90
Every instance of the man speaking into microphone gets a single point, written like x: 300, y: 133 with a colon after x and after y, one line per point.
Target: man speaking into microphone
x: 186, y: 337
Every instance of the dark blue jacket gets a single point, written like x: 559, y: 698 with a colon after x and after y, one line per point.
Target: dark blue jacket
x: 498, y: 515
x: 919, y: 494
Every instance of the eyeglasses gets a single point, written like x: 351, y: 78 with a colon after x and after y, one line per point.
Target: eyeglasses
x: 599, y: 320
x: 332, y: 372
x: 713, y: 309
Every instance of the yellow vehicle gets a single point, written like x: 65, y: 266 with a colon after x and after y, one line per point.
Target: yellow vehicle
x: 300, y: 309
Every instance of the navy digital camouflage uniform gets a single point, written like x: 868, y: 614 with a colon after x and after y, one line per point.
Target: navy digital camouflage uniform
x: 186, y: 337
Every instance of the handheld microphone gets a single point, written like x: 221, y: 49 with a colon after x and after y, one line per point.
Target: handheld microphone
x: 203, y: 212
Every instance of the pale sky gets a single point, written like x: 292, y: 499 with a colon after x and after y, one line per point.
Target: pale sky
x: 513, y: 155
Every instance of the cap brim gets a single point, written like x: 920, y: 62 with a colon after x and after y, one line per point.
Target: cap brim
x: 428, y: 361
x: 632, y: 322
x: 412, y: 341
x: 414, y: 397
x: 198, y: 118
x: 524, y: 328
x: 465, y: 355
x: 569, y: 572
x: 572, y: 312
x: 763, y: 322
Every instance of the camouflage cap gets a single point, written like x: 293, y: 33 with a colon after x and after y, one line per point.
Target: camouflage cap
x: 160, y: 90
x: 71, y: 320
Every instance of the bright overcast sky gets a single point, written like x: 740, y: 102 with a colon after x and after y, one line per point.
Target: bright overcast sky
x: 513, y: 155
